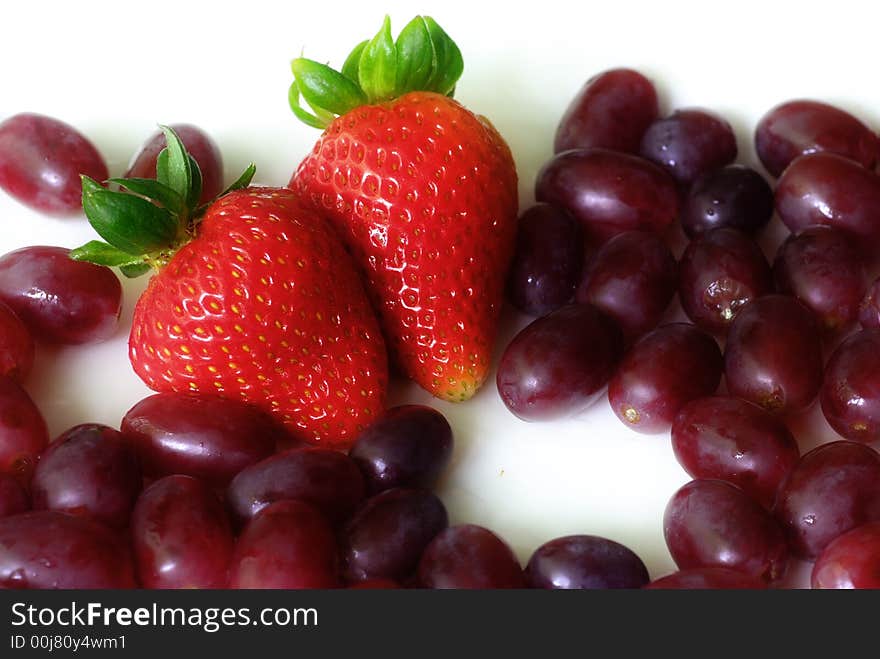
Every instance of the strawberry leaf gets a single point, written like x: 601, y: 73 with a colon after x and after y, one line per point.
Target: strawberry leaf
x: 176, y: 167
x: 416, y: 59
x: 135, y: 270
x: 195, y: 186
x: 353, y: 61
x: 325, y: 89
x: 450, y: 64
x: 152, y: 189
x: 243, y: 181
x: 95, y: 251
x: 305, y: 117
x: 377, y: 70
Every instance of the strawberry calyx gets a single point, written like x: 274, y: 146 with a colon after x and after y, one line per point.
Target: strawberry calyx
x: 145, y: 221
x: 423, y: 58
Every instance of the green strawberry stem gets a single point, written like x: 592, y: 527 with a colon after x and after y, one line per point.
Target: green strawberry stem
x: 424, y: 58
x: 147, y: 220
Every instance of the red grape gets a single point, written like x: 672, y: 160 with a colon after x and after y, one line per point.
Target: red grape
x: 689, y: 143
x: 852, y: 560
x: 52, y: 550
x: 23, y: 432
x: 797, y: 127
x: 181, y: 535
x: 322, y: 477
x: 547, y: 260
x: 88, y: 471
x: 665, y: 369
x: 632, y: 278
x: 386, y: 537
x: 735, y: 197
x: 208, y: 437
x: 13, y: 498
x: 773, y: 355
x: 558, y: 365
x: 612, y: 111
x: 708, y: 578
x: 287, y: 545
x: 60, y: 300
x: 711, y: 523
x: 733, y: 440
x: 408, y: 446
x: 469, y: 557
x: 585, y: 562
x: 869, y: 308
x: 720, y: 272
x: 834, y: 488
x: 374, y: 584
x: 824, y: 188
x: 41, y: 160
x: 609, y: 192
x: 198, y: 144
x: 824, y: 269
x: 16, y: 346
x: 850, y: 394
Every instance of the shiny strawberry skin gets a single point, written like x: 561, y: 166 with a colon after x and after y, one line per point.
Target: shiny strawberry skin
x: 424, y: 193
x: 265, y: 305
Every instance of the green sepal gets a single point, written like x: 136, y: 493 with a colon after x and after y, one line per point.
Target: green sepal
x: 173, y: 164
x: 305, y: 117
x: 95, y: 251
x: 377, y: 69
x: 152, y: 189
x: 449, y: 64
x: 134, y: 271
x: 243, y: 181
x: 415, y: 56
x: 353, y: 61
x: 126, y: 221
x: 324, y: 88
x: 195, y: 186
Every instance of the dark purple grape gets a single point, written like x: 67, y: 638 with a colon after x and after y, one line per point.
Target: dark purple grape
x: 16, y: 346
x: 773, y: 355
x: 198, y: 144
x: 322, y: 477
x: 13, y: 498
x: 558, y: 365
x: 663, y: 371
x: 408, y: 446
x: 41, y: 160
x: 711, y: 523
x: 797, y: 127
x: 852, y: 560
x: 850, y: 394
x: 51, y: 550
x: 689, y: 143
x: 720, y: 272
x: 585, y: 561
x: 824, y: 188
x: 60, y: 300
x: 609, y: 192
x: 611, y: 111
x: 708, y: 578
x: 469, y: 557
x: 834, y: 488
x: 89, y: 470
x: 23, y: 432
x: 207, y: 437
x: 386, y: 537
x: 181, y: 535
x: 736, y: 441
x: 632, y: 278
x: 547, y: 260
x: 869, y: 308
x: 824, y: 269
x: 733, y: 197
x: 287, y: 545
x: 374, y: 584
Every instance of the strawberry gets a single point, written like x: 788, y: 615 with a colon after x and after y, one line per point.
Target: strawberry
x: 422, y: 191
x: 255, y: 298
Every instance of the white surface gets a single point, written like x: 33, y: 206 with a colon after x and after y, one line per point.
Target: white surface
x: 115, y: 70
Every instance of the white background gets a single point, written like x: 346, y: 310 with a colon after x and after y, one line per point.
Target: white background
x: 116, y: 69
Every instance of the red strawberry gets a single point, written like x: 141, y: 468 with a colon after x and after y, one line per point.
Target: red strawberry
x: 423, y: 192
x: 257, y: 301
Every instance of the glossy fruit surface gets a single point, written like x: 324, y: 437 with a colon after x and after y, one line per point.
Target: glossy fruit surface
x: 773, y: 356
x: 41, y: 160
x: 734, y: 197
x: 852, y: 560
x: 88, y: 470
x: 804, y: 126
x: 16, y: 346
x: 547, y: 260
x: 469, y: 557
x: 611, y: 111
x: 708, y: 578
x: 869, y: 307
x: 850, y: 395
x: 13, y: 498
x: 585, y: 561
x: 180, y: 535
x: 720, y: 272
x: 58, y: 299
x: 408, y: 446
x: 558, y: 365
x: 23, y: 432
x: 609, y: 192
x: 663, y: 371
x: 632, y: 278
x: 834, y: 488
x: 725, y: 438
